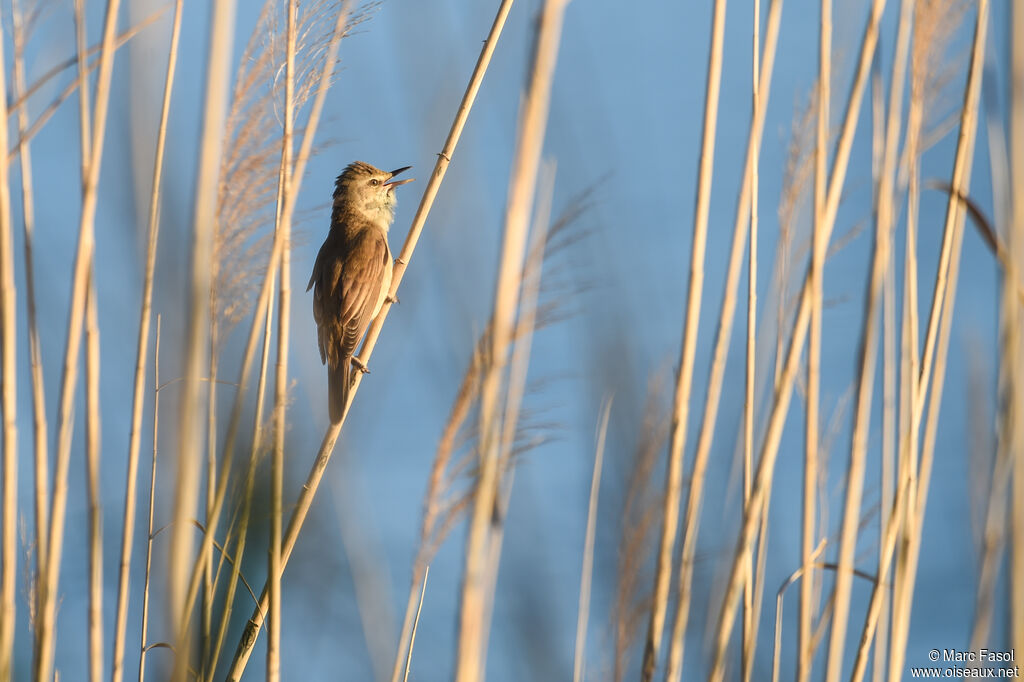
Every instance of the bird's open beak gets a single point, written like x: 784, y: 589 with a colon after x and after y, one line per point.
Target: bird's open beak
x: 395, y: 183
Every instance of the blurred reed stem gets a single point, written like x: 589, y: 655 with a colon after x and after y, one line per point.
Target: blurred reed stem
x: 197, y: 338
x: 8, y: 400
x: 805, y: 659
x: 283, y: 334
x: 749, y: 632
x: 141, y: 358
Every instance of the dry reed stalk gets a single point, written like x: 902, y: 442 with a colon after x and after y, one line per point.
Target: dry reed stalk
x: 805, y: 661
x: 92, y: 459
x: 723, y: 335
x: 19, y: 33
x: 889, y: 436
x: 783, y: 390
x: 92, y: 142
x: 1014, y: 368
x: 187, y: 478
x: 141, y: 358
x: 8, y: 401
x: 415, y: 624
x: 312, y: 483
x: 588, y: 545
x: 955, y: 216
x: 688, y: 350
x: 522, y: 186
x: 281, y: 376
x: 747, y: 635
x: 152, y: 499
x: 868, y: 352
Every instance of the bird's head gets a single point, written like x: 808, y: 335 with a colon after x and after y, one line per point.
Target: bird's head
x: 369, y: 191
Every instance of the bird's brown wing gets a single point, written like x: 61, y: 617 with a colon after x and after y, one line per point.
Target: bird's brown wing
x: 346, y: 282
x: 361, y: 279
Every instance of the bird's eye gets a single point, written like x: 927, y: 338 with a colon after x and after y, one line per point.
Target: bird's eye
x: 374, y: 182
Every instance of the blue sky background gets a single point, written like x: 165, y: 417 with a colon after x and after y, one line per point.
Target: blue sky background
x: 626, y: 114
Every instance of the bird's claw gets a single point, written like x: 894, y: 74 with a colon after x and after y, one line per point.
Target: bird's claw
x: 392, y: 299
x: 399, y: 261
x: 360, y: 365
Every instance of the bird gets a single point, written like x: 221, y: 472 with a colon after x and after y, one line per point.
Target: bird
x: 352, y: 272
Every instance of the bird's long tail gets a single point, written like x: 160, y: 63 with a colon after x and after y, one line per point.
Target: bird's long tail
x: 337, y: 389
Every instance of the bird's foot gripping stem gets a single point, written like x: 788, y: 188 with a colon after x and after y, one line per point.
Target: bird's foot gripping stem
x: 358, y: 364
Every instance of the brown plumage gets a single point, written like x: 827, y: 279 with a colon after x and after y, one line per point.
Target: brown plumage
x: 352, y: 273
